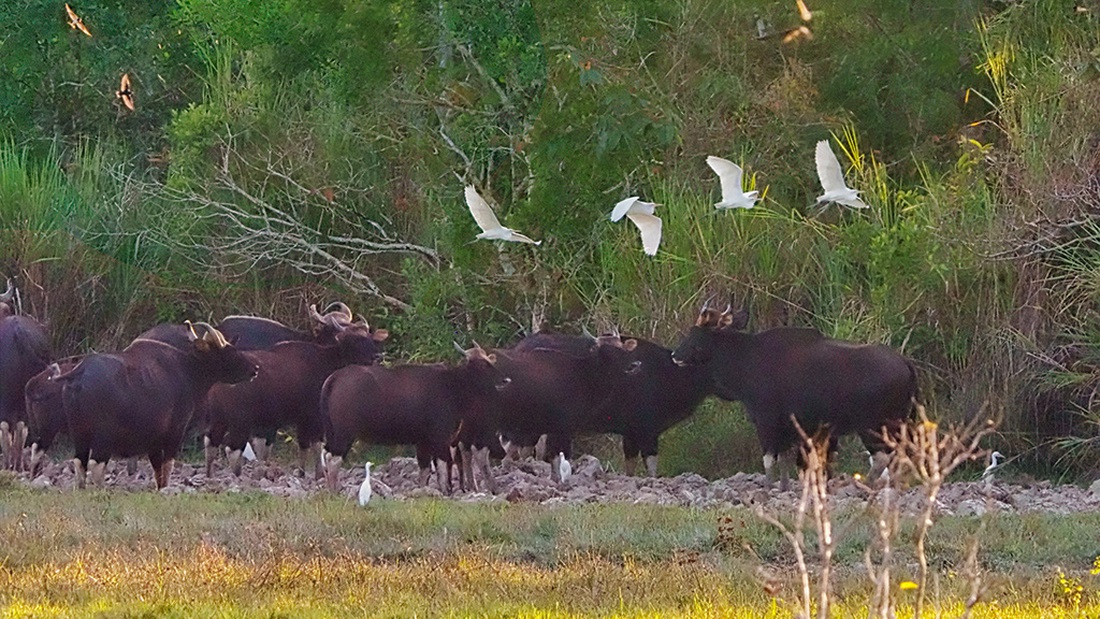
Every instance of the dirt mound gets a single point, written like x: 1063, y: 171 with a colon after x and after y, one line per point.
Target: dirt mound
x: 529, y: 481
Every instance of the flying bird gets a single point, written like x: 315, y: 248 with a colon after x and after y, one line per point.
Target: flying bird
x: 364, y: 489
x: 75, y: 22
x: 564, y: 468
x: 804, y: 11
x: 729, y: 177
x: 794, y: 34
x: 648, y: 224
x: 832, y: 179
x: 124, y: 93
x: 487, y: 221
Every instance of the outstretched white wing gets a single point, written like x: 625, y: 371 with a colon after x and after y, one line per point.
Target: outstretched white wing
x: 650, y: 227
x: 622, y: 208
x: 828, y: 168
x: 729, y: 177
x: 480, y: 209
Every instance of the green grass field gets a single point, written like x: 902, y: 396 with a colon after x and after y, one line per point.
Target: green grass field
x: 251, y: 555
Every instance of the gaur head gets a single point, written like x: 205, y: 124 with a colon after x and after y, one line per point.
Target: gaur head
x: 360, y: 345
x: 222, y: 359
x: 698, y: 346
x: 484, y: 374
x: 612, y: 347
x: 336, y: 317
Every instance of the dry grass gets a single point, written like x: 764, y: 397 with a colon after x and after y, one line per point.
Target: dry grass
x: 251, y: 555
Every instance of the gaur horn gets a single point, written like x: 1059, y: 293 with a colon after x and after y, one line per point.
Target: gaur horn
x: 9, y: 293
x: 336, y: 307
x: 460, y: 349
x: 54, y: 369
x: 706, y: 304
x: 191, y: 334
x: 314, y: 315
x: 587, y: 334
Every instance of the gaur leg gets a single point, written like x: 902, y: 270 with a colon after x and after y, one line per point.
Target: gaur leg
x: 131, y: 466
x: 541, y: 448
x: 99, y: 472
x: 332, y: 464
x: 631, y: 452
x: 36, y: 460
x: 156, y: 459
x: 443, y: 475
x: 466, y: 481
x: 81, y: 471
x: 424, y: 460
x: 261, y: 448
x: 19, y: 442
x: 482, y: 457
x: 6, y: 443
x: 210, y: 450
x: 648, y: 446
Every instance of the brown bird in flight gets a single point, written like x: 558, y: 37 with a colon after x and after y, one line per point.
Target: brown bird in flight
x: 124, y: 93
x: 75, y: 22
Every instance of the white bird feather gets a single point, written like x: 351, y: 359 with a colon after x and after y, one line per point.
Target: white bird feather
x: 831, y: 176
x: 994, y: 462
x: 648, y: 224
x: 491, y: 227
x: 729, y: 177
x: 364, y: 488
x: 564, y: 468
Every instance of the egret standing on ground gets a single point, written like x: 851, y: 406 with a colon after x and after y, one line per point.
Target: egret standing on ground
x: 564, y: 468
x: 641, y: 213
x: 364, y: 489
x: 729, y: 177
x: 832, y: 179
x: 994, y: 462
x: 487, y: 220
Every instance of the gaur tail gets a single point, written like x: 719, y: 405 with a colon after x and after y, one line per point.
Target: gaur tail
x: 326, y: 421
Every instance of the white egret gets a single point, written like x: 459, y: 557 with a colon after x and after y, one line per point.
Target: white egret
x: 248, y: 453
x: 729, y: 177
x: 488, y: 222
x: 994, y: 462
x: 832, y: 179
x: 648, y: 224
x: 564, y: 468
x: 364, y: 488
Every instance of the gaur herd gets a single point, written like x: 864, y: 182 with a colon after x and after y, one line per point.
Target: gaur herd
x: 249, y: 376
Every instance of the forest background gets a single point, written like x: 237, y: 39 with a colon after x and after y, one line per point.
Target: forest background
x: 289, y: 152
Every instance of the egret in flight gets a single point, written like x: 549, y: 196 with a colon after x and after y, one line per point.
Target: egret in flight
x: 488, y: 222
x: 729, y: 177
x: 648, y: 224
x: 832, y: 179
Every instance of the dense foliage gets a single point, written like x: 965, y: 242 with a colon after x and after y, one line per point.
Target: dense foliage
x: 285, y: 152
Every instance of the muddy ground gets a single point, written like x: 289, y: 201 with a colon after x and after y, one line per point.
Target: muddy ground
x: 529, y: 481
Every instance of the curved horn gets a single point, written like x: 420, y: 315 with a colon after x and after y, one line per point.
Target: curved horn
x: 706, y: 304
x: 340, y: 308
x: 9, y: 293
x: 586, y: 333
x: 314, y: 315
x: 209, y: 334
x: 219, y: 338
x: 191, y: 334
x: 335, y: 320
x: 460, y: 349
x: 728, y: 310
